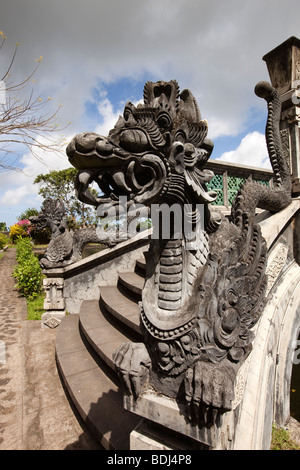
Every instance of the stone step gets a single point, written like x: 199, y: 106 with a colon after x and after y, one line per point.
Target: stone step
x: 140, y: 266
x: 132, y: 282
x: 121, y: 307
x: 103, y: 332
x: 93, y: 387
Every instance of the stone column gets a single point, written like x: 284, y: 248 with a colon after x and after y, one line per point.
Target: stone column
x: 54, y: 303
x: 283, y: 64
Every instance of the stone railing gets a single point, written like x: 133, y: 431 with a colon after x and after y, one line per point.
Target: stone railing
x: 229, y: 177
x: 68, y: 286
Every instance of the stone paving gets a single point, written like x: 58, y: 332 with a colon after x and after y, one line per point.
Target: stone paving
x: 35, y: 413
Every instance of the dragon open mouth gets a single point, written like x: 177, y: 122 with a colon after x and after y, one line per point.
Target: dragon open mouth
x: 134, y: 179
x: 140, y: 179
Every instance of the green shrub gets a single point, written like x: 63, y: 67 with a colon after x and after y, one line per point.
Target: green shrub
x: 3, y: 241
x: 24, y: 249
x: 27, y: 272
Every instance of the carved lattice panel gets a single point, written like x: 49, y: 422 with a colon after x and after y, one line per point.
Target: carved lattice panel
x: 216, y: 184
x: 234, y: 184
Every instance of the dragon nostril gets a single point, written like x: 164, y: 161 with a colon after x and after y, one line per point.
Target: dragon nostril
x: 179, y: 149
x: 189, y: 149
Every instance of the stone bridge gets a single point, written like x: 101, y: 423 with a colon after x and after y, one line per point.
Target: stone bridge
x: 95, y: 301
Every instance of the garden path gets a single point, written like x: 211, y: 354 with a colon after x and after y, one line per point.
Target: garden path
x: 35, y: 413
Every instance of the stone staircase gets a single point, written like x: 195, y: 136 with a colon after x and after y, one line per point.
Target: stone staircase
x: 85, y: 343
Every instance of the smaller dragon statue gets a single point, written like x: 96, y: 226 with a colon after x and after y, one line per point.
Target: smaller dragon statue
x: 65, y: 246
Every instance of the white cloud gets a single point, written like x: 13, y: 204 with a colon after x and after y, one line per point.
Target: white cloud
x: 42, y: 160
x: 18, y: 191
x: 252, y: 151
x: 13, y: 197
x: 208, y: 47
x: 108, y: 115
x: 218, y: 127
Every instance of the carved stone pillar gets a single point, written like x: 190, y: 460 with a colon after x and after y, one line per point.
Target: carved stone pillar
x: 54, y: 303
x: 283, y: 64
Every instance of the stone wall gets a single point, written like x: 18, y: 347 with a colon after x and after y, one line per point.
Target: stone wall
x: 83, y: 279
x: 85, y: 283
x: 267, y: 372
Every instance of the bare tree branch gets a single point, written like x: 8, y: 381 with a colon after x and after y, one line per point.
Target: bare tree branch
x: 25, y: 120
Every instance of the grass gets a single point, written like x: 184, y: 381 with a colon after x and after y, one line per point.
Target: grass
x: 281, y: 439
x: 35, y: 308
x: 40, y: 247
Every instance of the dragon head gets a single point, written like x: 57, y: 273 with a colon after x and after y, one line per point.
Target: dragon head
x: 51, y: 215
x: 155, y: 153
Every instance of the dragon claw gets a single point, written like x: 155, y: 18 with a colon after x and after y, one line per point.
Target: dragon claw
x: 132, y: 363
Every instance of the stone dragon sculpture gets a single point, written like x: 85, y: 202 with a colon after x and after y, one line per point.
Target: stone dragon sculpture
x: 201, y: 299
x: 65, y: 246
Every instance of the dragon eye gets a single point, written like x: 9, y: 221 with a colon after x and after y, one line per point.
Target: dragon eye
x: 164, y: 119
x: 180, y: 136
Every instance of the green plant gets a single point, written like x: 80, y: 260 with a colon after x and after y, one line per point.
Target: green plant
x: 281, y: 439
x: 24, y: 249
x: 27, y: 272
x: 3, y: 241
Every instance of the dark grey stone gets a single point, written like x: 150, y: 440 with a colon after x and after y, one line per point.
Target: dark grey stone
x: 195, y: 338
x: 65, y: 246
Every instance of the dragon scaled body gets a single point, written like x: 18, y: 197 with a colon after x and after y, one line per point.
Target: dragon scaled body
x: 203, y: 293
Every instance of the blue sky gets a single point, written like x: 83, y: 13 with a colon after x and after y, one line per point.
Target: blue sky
x: 98, y: 54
